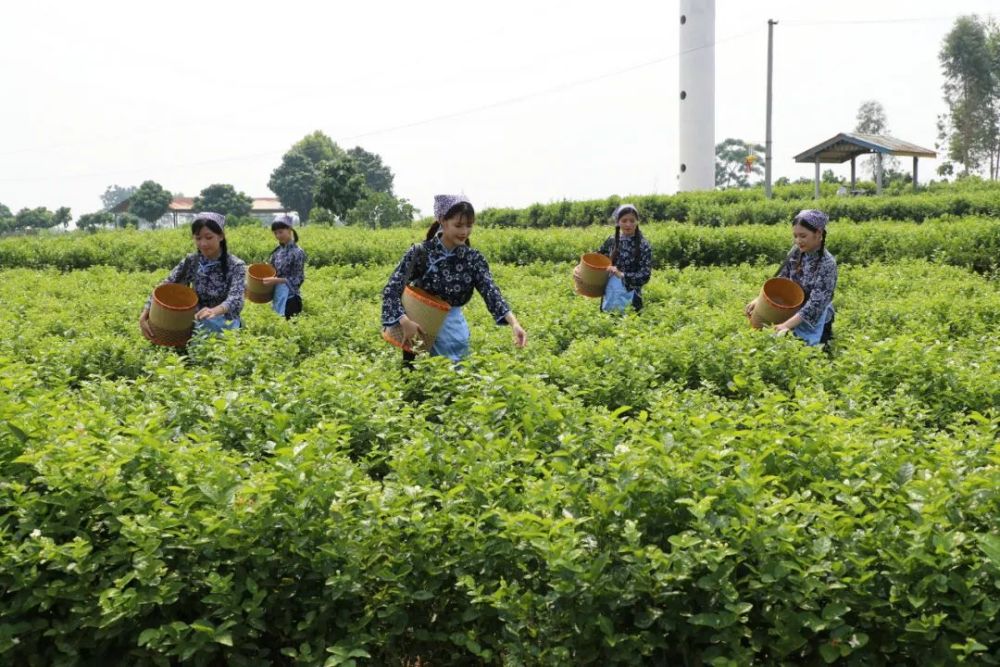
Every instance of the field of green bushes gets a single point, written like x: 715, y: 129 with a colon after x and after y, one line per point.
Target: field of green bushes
x: 672, y: 488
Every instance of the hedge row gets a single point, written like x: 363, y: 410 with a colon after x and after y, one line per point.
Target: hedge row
x: 742, y: 207
x: 969, y: 242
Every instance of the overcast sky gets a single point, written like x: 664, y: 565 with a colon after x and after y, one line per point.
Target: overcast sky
x: 511, y: 102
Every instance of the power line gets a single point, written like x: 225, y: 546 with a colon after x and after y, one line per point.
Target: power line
x: 426, y: 121
x: 548, y: 91
x: 924, y: 19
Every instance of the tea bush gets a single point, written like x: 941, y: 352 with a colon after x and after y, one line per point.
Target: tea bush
x: 969, y: 242
x: 668, y: 488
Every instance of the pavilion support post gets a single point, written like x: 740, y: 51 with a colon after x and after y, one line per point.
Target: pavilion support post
x: 816, y: 193
x: 878, y: 173
x: 915, y: 173
x: 854, y: 178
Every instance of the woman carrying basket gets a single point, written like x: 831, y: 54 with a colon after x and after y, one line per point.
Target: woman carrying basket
x: 446, y: 267
x: 631, y: 261
x: 289, y: 262
x: 812, y: 266
x: 218, y: 278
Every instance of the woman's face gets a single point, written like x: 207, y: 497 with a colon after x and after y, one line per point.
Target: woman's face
x: 209, y: 243
x: 455, y: 231
x: 806, y: 239
x: 283, y: 235
x: 627, y: 223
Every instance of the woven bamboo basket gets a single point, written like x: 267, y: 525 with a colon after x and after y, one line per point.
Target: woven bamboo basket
x: 171, y: 314
x: 779, y: 299
x: 591, y: 277
x: 426, y: 310
x: 257, y: 291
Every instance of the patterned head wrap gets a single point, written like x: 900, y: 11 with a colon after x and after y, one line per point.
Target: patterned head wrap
x: 622, y: 210
x: 285, y: 219
x: 815, y: 218
x: 217, y: 218
x: 443, y: 204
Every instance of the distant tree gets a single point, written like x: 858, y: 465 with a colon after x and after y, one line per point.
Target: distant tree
x: 224, y: 199
x: 294, y: 181
x: 318, y: 148
x: 116, y: 194
x: 93, y: 221
x: 970, y: 60
x: 731, y: 157
x: 62, y: 216
x: 378, y: 177
x: 872, y: 119
x: 7, y: 220
x: 34, y: 218
x: 150, y: 201
x: 127, y: 221
x: 321, y: 216
x: 378, y: 210
x: 829, y: 177
x: 341, y: 185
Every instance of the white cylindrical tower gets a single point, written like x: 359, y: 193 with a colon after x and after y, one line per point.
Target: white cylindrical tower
x: 697, y: 95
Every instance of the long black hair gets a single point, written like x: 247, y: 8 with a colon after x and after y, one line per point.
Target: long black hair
x: 214, y: 227
x: 279, y: 225
x: 463, y: 209
x: 637, y: 235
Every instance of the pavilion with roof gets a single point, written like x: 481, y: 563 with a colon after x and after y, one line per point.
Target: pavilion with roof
x: 849, y: 145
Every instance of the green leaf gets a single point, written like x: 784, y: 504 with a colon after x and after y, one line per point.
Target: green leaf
x: 684, y: 540
x: 989, y: 544
x: 834, y: 610
x: 830, y: 653
x: 17, y: 431
x: 148, y: 635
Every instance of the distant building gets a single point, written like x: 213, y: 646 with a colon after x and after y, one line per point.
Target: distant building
x: 181, y: 211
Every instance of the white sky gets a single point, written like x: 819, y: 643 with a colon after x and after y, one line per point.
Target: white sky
x: 194, y: 93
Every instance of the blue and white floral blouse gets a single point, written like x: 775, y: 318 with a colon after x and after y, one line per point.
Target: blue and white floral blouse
x: 289, y: 261
x: 637, y: 270
x: 450, y: 275
x: 205, y: 277
x: 816, y: 275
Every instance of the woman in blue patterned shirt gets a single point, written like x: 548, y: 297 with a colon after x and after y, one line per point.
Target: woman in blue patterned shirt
x: 289, y: 262
x: 218, y: 278
x: 447, y: 267
x: 812, y: 266
x: 631, y: 261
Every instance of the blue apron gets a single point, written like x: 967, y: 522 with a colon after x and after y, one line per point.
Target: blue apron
x: 616, y: 297
x: 812, y: 335
x: 453, y: 339
x: 216, y: 325
x: 280, y: 298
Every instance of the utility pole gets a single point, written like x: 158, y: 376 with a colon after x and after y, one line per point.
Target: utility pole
x: 767, y: 141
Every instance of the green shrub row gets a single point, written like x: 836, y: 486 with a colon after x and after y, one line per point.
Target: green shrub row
x: 967, y: 242
x: 672, y: 488
x: 744, y: 207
